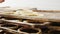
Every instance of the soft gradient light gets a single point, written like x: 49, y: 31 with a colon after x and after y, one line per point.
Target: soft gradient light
x: 40, y: 4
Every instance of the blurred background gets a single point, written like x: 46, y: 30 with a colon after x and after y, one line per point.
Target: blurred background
x: 39, y: 4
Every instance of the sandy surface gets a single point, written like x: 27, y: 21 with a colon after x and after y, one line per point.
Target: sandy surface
x: 50, y: 15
